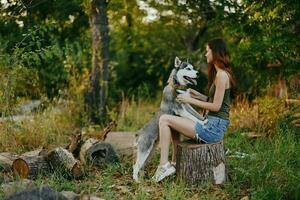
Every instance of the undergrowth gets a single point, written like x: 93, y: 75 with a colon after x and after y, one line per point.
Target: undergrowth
x: 268, y: 168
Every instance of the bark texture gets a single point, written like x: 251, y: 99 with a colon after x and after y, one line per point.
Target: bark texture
x: 201, y: 163
x: 61, y: 159
x: 29, y: 167
x: 6, y: 161
x: 98, y: 86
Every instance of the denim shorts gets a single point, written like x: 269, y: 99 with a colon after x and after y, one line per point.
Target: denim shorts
x: 212, y: 131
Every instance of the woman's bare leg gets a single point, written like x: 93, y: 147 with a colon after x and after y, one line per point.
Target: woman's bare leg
x: 175, y: 140
x: 180, y: 124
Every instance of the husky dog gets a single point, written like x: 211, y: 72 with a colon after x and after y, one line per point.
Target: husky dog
x: 182, y: 75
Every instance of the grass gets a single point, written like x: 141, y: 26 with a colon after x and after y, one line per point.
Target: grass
x: 269, y: 170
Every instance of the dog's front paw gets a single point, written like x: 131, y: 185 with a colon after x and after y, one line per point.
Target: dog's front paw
x: 136, y: 178
x: 135, y: 174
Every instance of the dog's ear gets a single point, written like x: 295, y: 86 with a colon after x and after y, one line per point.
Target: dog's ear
x: 177, y: 62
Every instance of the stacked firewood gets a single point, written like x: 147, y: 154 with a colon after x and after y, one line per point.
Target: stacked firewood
x: 69, y: 160
x: 295, y: 104
x: 296, y: 120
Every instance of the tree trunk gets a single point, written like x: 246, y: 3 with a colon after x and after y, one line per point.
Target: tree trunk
x: 98, y: 87
x: 61, y: 159
x: 97, y: 153
x: 201, y: 163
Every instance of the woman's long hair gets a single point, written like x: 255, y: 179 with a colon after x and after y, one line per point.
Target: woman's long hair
x: 221, y: 58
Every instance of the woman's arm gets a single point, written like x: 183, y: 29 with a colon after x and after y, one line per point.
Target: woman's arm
x: 197, y: 95
x: 220, y: 82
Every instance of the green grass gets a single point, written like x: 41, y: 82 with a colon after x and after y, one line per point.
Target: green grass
x: 270, y: 169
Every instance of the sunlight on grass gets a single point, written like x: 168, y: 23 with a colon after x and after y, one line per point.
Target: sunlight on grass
x: 269, y: 169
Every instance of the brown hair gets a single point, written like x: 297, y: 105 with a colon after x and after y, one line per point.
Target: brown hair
x: 221, y: 58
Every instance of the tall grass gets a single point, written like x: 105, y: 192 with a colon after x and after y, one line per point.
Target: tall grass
x: 133, y: 113
x: 46, y: 128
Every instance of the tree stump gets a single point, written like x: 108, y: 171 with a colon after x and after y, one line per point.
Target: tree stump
x: 201, y: 163
x: 61, y: 159
x: 97, y: 153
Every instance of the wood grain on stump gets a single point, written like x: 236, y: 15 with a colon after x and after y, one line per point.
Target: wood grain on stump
x: 30, y: 167
x: 30, y: 164
x: 201, y: 163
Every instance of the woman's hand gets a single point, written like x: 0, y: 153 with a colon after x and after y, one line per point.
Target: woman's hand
x: 184, y: 98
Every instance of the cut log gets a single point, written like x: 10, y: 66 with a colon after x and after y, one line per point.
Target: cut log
x: 37, y: 152
x: 29, y: 166
x: 292, y: 101
x: 6, y: 161
x: 61, y: 159
x: 297, y: 115
x: 97, y: 153
x: 296, y: 122
x: 251, y: 135
x: 201, y: 163
x: 123, y: 142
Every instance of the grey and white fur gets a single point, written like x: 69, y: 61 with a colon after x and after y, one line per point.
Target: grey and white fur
x: 182, y: 75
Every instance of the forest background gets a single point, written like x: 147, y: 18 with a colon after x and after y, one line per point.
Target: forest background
x: 46, y: 54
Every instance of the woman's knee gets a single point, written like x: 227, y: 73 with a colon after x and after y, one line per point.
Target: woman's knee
x: 164, y: 120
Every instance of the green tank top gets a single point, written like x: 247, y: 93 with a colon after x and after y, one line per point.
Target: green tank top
x: 225, y: 107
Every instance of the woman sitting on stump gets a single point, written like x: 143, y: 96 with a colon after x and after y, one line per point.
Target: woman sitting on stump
x: 221, y: 82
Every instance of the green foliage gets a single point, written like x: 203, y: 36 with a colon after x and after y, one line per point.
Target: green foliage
x: 264, y: 33
x: 49, y: 38
x: 38, y: 43
x: 270, y: 169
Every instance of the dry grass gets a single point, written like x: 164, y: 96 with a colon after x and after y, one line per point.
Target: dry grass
x: 46, y: 128
x: 260, y: 116
x: 243, y: 115
x: 133, y: 114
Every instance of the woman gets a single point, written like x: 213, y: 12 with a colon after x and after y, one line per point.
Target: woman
x: 221, y: 82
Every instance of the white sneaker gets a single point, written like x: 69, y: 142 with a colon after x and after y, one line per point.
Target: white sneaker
x: 164, y: 171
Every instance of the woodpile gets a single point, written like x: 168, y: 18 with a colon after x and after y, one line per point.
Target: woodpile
x: 295, y: 102
x: 69, y: 160
x: 296, y: 120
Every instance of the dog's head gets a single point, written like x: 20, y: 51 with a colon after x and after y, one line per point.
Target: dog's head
x: 184, y: 73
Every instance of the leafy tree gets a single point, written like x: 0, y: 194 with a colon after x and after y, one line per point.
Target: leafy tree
x: 38, y: 33
x: 264, y: 36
